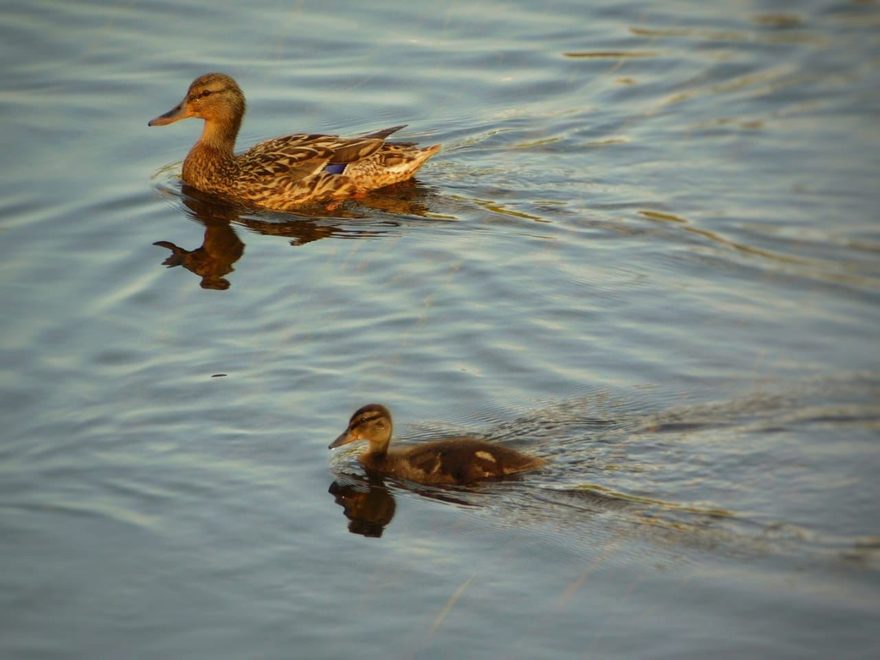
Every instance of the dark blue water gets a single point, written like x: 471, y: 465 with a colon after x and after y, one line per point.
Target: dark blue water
x: 648, y: 252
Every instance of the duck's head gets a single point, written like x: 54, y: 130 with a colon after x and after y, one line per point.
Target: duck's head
x: 214, y: 97
x: 371, y: 423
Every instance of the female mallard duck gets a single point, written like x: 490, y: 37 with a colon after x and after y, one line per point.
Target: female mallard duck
x: 451, y: 461
x: 286, y: 172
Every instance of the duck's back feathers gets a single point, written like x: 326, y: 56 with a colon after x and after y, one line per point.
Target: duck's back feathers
x: 452, y: 461
x: 273, y: 154
x: 392, y: 163
x: 307, y: 167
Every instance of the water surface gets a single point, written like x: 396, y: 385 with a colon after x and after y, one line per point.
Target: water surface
x: 647, y: 252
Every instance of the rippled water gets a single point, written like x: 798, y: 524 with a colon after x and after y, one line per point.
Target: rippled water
x: 647, y: 252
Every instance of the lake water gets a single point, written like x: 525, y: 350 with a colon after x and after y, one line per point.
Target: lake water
x: 649, y: 252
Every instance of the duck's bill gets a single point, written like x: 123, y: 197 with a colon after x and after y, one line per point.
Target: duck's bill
x: 343, y: 439
x: 175, y: 114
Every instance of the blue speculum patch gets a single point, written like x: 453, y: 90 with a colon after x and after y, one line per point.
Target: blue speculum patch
x: 335, y: 168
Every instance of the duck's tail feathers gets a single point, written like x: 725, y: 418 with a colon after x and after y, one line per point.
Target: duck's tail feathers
x: 385, y: 132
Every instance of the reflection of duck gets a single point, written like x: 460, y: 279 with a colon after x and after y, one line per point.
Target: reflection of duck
x: 220, y: 249
x: 203, y: 261
x: 449, y: 461
x: 367, y: 504
x: 288, y: 171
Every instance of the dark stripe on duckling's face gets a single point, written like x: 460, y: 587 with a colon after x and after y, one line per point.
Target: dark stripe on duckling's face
x: 366, y: 420
x: 369, y: 413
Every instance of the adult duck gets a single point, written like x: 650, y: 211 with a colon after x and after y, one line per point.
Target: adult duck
x: 288, y: 171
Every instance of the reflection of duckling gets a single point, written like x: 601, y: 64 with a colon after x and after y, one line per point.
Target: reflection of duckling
x: 367, y: 503
x: 451, y: 461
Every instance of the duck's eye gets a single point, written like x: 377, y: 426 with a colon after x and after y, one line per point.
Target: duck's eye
x: 204, y: 93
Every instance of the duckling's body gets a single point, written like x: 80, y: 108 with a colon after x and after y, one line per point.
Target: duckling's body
x: 448, y: 461
x: 289, y: 171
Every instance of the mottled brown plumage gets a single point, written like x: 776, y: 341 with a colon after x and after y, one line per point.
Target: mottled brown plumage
x: 448, y: 461
x: 289, y: 171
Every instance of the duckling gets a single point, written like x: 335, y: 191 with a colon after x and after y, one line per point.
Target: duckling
x: 286, y: 172
x: 450, y: 461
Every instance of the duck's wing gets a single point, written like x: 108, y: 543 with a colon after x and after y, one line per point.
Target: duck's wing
x: 303, y: 154
x: 342, y: 151
x: 455, y: 460
x: 294, y: 156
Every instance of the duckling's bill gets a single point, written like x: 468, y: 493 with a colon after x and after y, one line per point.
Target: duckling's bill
x: 344, y: 439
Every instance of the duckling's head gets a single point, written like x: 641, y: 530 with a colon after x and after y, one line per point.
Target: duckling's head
x: 214, y: 97
x: 371, y: 423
